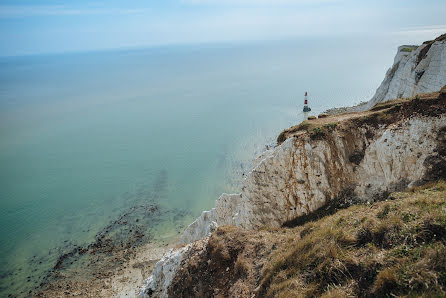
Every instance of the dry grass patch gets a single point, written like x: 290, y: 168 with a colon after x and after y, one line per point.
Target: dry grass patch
x: 389, y: 248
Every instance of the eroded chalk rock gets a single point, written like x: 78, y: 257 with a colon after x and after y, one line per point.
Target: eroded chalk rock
x: 416, y: 70
x: 301, y: 175
x: 156, y: 284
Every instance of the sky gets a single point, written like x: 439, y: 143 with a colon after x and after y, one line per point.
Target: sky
x: 46, y: 26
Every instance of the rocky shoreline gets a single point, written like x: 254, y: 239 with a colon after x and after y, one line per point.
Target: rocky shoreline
x: 118, y: 276
x: 116, y: 261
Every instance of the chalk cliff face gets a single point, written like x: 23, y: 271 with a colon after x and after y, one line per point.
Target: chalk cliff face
x: 164, y: 272
x: 304, y: 174
x: 349, y: 158
x: 416, y: 70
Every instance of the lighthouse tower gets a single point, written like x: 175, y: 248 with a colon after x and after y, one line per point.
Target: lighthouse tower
x: 306, y: 109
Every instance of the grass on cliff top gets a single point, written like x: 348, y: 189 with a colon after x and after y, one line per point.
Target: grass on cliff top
x: 409, y: 49
x: 381, y: 113
x: 314, y: 129
x: 391, y: 248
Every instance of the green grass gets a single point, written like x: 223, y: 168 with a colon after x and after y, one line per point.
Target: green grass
x: 393, y: 248
x: 408, y: 49
x: 317, y: 133
x: 330, y: 126
x: 315, y: 130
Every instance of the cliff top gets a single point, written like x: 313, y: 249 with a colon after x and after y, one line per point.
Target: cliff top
x: 439, y: 38
x: 381, y: 114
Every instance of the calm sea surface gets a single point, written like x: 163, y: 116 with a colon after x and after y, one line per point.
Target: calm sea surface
x: 86, y: 136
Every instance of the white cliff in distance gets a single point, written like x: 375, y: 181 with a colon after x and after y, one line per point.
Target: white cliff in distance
x: 415, y: 70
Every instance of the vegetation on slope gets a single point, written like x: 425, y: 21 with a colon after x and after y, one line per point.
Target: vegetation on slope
x: 409, y: 49
x: 393, y: 247
x: 396, y: 247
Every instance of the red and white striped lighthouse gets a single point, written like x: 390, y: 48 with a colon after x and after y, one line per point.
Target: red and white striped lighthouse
x: 306, y: 107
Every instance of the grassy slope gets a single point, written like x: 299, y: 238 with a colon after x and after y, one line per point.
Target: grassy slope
x: 396, y: 247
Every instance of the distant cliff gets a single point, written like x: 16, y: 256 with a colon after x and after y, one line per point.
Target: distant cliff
x: 415, y: 70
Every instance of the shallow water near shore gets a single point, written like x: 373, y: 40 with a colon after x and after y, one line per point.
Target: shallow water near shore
x: 118, y: 142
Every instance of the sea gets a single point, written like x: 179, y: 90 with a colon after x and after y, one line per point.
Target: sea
x: 89, y: 137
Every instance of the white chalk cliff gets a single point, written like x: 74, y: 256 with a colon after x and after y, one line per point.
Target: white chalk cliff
x: 415, y: 70
x: 164, y: 272
x: 301, y: 175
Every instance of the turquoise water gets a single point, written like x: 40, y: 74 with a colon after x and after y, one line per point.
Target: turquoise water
x: 84, y: 136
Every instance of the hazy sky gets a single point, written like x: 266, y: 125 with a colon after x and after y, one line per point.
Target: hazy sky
x: 42, y: 26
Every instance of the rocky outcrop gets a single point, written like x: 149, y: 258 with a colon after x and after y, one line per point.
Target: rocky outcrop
x: 358, y: 157
x: 416, y: 70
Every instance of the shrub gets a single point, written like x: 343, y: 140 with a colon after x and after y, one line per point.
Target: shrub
x: 330, y: 126
x: 386, y: 282
x: 281, y: 138
x: 317, y: 133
